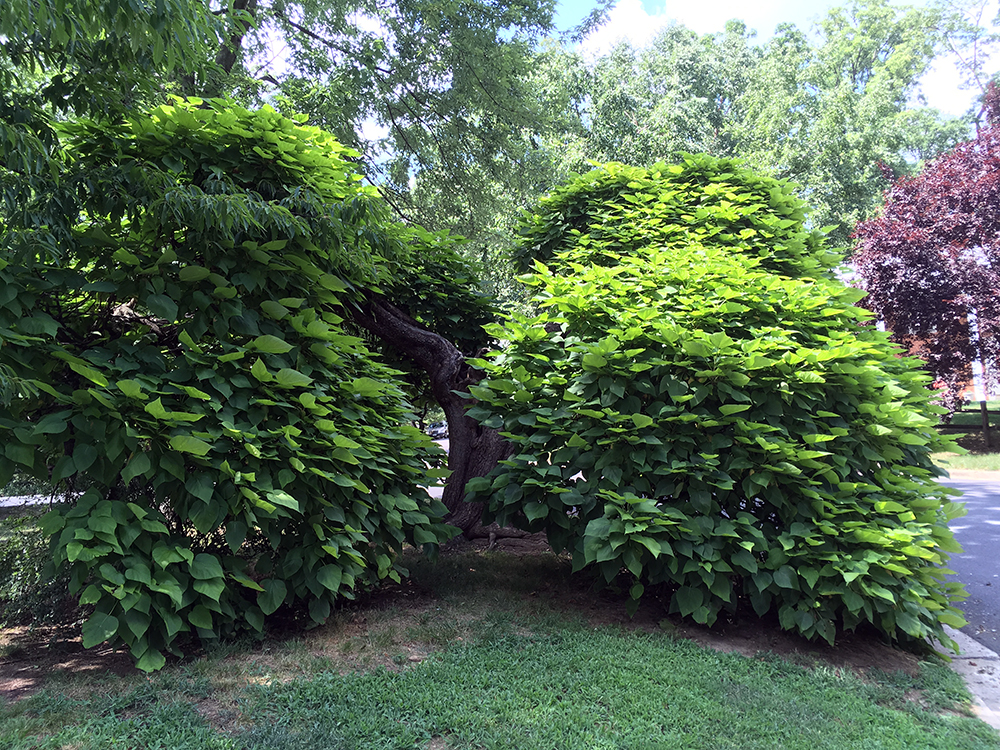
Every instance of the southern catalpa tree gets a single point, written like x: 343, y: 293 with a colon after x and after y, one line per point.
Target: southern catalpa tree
x: 187, y: 373
x: 694, y: 408
x: 931, y: 260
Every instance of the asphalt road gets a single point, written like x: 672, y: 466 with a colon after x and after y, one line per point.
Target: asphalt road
x: 978, y: 567
x: 19, y: 500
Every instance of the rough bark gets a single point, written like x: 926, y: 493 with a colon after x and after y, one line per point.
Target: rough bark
x: 474, y: 449
x: 226, y: 58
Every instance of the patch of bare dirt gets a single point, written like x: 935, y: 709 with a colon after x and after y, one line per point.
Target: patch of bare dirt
x: 859, y: 652
x: 974, y: 441
x: 33, y: 656
x: 220, y: 715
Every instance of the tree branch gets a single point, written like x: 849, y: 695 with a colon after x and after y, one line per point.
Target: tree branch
x: 474, y: 449
x: 323, y: 40
x: 226, y: 58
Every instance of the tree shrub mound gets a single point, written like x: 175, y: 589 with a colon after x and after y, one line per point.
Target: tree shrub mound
x: 185, y: 363
x: 686, y: 415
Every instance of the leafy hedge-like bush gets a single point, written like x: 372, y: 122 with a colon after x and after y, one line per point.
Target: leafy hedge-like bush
x: 682, y: 413
x: 187, y: 359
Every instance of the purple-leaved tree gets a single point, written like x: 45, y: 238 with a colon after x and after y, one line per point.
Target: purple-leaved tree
x: 930, y: 261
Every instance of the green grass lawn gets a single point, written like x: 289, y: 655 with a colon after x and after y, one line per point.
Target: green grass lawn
x: 969, y: 461
x: 496, y: 651
x: 970, y: 415
x: 977, y: 457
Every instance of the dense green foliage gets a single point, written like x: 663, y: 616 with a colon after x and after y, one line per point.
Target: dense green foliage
x: 59, y: 60
x: 438, y: 98
x: 474, y: 125
x: 700, y: 200
x: 186, y: 354
x: 704, y: 413
x: 175, y: 342
x: 81, y: 57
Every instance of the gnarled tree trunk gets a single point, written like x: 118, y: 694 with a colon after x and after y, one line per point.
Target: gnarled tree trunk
x: 474, y: 449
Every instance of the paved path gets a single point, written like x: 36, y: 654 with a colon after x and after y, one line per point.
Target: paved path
x: 15, y: 501
x: 978, y: 567
x: 980, y: 668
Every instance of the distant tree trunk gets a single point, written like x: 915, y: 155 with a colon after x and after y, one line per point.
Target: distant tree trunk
x: 226, y: 58
x: 474, y: 449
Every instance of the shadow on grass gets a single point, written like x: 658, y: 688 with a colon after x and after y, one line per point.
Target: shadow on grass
x: 497, y: 650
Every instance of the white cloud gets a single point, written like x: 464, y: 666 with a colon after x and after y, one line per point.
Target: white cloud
x: 628, y: 21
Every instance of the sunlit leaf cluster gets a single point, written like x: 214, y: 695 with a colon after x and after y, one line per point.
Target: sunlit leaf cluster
x: 700, y: 199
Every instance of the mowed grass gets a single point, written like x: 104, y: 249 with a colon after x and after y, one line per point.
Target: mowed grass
x: 494, y: 651
x: 969, y: 461
x: 978, y: 457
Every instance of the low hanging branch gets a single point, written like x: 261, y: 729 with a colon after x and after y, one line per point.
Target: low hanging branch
x: 474, y: 449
